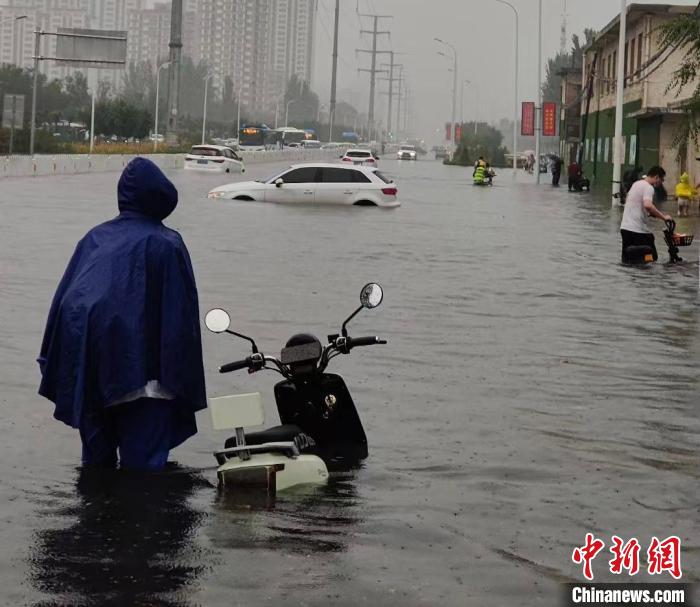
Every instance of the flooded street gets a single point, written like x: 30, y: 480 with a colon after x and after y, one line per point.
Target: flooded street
x: 533, y: 389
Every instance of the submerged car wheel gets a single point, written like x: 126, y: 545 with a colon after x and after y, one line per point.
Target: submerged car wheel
x: 244, y: 198
x: 365, y: 203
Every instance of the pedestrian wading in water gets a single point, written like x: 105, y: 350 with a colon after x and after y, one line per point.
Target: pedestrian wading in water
x: 122, y: 356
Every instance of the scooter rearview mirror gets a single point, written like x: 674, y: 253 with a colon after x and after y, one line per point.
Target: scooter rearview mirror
x: 217, y: 320
x: 371, y: 295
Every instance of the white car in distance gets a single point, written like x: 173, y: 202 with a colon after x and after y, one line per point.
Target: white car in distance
x: 321, y: 183
x: 407, y: 152
x: 214, y: 158
x: 361, y: 157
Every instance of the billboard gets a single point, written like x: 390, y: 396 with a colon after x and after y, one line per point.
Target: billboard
x: 105, y: 49
x: 13, y: 112
x: 458, y: 133
x: 527, y: 121
x: 549, y: 119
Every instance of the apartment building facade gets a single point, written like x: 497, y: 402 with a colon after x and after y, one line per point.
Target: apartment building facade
x: 258, y: 44
x: 651, y: 114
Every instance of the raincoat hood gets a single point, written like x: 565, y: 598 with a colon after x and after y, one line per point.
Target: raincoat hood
x: 144, y: 189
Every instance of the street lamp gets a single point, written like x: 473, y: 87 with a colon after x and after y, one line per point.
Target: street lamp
x: 286, y: 112
x: 238, y: 111
x: 204, y: 118
x: 515, y: 93
x: 454, y: 85
x: 155, y: 134
x: 476, y: 107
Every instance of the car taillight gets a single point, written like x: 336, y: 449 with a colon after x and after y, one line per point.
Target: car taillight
x: 370, y: 160
x: 390, y: 191
x: 347, y: 159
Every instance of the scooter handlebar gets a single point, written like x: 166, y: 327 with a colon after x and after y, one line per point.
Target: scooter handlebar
x: 354, y: 342
x: 235, y: 366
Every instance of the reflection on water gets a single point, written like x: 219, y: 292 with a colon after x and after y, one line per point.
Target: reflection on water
x: 128, y: 539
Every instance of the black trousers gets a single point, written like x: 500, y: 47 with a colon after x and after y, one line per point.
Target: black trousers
x: 636, y: 239
x: 556, y: 175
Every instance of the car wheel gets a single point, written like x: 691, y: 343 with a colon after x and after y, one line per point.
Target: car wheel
x: 365, y: 203
x: 228, y: 170
x: 243, y: 198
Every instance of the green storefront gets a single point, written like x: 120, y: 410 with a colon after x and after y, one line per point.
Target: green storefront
x: 640, y: 136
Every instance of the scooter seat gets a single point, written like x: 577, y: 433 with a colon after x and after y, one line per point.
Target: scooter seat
x: 276, y: 434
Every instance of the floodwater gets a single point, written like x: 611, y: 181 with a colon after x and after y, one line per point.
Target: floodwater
x: 532, y: 390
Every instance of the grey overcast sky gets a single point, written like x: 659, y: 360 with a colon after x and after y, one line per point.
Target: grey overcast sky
x: 481, y: 30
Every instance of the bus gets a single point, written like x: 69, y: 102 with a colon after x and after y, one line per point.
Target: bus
x: 257, y: 137
x: 350, y: 137
x: 289, y: 134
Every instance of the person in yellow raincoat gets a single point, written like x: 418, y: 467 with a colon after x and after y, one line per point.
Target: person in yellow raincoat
x: 684, y: 193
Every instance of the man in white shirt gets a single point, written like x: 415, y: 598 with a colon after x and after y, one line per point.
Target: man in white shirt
x: 639, y: 205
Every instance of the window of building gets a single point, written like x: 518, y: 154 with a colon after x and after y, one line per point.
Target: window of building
x: 632, y: 62
x: 640, y: 50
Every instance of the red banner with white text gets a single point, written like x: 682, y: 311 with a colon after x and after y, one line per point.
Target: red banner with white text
x: 527, y: 121
x: 549, y: 119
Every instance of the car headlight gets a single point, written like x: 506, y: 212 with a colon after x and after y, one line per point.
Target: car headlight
x: 215, y: 194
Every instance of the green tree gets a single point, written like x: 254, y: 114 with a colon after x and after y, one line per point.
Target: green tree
x: 303, y: 108
x: 683, y: 33
x: 551, y: 87
x: 486, y: 142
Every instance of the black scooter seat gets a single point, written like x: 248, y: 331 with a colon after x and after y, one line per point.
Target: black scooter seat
x: 276, y: 434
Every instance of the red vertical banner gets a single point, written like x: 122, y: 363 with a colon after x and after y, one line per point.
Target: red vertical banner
x: 527, y: 121
x: 448, y: 131
x: 458, y: 132
x: 549, y: 119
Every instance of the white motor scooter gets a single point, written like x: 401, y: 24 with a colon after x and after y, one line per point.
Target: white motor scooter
x: 320, y: 424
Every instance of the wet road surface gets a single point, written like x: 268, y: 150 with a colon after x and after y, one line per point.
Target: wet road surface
x: 533, y: 390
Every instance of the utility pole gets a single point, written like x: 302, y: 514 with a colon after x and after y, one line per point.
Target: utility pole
x: 373, y: 70
x: 538, y: 110
x: 618, y: 149
x: 175, y: 55
x: 391, y: 81
x: 398, y: 108
x: 331, y: 114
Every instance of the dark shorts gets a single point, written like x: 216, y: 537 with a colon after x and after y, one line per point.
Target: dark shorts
x: 637, y: 239
x: 142, y: 431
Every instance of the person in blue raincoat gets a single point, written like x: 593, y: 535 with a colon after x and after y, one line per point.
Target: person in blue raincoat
x: 121, y: 357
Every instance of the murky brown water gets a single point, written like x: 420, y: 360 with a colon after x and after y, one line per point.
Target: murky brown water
x: 533, y: 389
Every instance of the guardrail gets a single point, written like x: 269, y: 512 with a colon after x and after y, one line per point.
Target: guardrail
x: 71, y: 164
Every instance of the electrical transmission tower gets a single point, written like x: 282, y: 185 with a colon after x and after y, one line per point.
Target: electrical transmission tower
x: 373, y: 70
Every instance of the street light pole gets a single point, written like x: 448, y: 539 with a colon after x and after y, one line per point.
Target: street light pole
x: 538, y: 111
x: 454, y: 87
x: 238, y: 111
x: 515, y: 92
x: 618, y: 150
x: 204, y: 118
x: 155, y: 129
x: 286, y: 112
x: 37, y: 49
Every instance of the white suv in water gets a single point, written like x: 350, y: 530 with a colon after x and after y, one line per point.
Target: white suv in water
x: 358, y: 156
x: 321, y: 183
x: 407, y: 152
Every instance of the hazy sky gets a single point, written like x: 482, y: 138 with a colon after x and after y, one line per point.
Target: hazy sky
x: 481, y: 30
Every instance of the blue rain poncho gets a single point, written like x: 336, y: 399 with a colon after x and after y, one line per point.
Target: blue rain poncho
x: 126, y: 311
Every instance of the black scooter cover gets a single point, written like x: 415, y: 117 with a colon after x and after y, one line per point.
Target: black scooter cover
x: 335, y: 426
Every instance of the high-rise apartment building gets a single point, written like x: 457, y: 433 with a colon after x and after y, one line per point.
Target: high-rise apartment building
x: 259, y: 44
